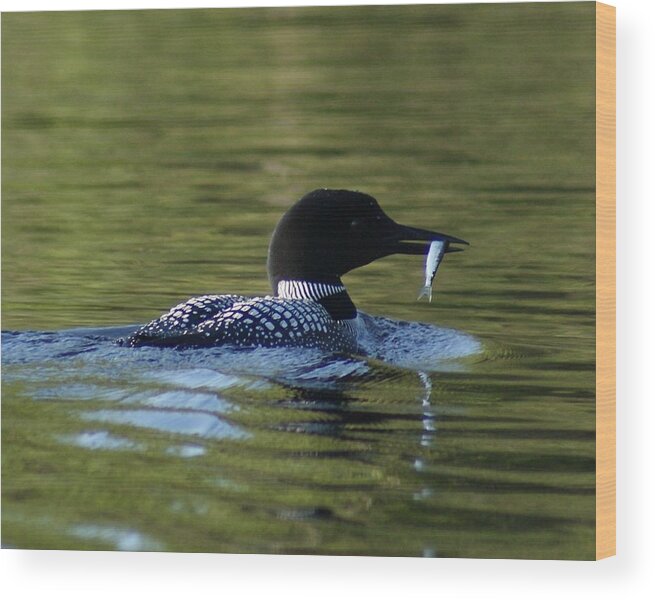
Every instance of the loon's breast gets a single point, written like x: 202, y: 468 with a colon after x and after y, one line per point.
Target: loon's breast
x: 295, y: 318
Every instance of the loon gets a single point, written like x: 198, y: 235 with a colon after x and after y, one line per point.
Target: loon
x: 324, y: 235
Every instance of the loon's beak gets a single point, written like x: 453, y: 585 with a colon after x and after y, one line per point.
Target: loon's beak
x: 404, y: 236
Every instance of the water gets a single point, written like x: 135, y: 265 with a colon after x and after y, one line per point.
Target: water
x: 147, y: 157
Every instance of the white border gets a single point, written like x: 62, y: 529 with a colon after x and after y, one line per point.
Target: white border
x: 100, y: 575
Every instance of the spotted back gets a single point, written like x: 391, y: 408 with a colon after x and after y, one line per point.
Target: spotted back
x: 266, y: 322
x: 276, y: 322
x: 184, y: 317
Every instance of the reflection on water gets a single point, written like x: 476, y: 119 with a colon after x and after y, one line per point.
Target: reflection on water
x: 122, y: 539
x: 96, y: 440
x: 175, y: 422
x: 148, y: 156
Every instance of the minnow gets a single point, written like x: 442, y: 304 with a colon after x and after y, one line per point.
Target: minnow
x: 435, y: 255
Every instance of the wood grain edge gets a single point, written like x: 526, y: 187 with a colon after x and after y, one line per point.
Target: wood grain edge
x: 605, y: 280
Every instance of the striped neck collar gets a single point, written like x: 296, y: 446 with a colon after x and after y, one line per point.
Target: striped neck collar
x: 309, y: 290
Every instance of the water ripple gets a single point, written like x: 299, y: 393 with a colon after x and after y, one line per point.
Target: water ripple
x: 184, y: 423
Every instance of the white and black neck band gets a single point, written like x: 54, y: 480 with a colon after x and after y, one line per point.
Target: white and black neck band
x: 308, y: 290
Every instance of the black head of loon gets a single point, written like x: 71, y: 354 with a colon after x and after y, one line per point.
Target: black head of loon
x: 330, y: 232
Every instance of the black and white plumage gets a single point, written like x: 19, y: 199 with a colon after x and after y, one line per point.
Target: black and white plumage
x: 324, y: 235
x: 269, y: 321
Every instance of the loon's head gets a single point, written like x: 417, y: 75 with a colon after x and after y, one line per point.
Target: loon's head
x: 330, y: 232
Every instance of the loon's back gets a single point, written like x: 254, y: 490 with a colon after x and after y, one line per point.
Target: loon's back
x: 249, y: 322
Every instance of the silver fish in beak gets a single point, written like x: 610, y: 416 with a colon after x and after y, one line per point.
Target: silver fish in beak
x: 433, y: 260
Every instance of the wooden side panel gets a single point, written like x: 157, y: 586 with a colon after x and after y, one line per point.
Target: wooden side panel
x: 605, y: 280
